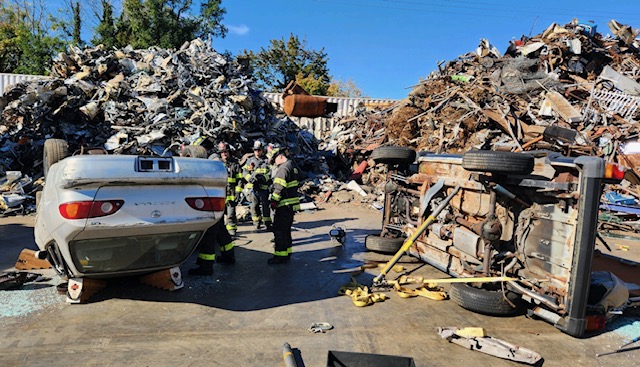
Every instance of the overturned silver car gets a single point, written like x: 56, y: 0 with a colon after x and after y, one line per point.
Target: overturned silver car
x: 103, y: 216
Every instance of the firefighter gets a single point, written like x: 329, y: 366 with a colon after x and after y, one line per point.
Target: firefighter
x: 284, y: 201
x: 257, y: 174
x: 216, y: 235
x: 234, y: 187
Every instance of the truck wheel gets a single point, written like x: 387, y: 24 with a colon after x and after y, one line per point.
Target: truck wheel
x: 497, y: 162
x: 393, y: 155
x: 194, y: 151
x: 55, y: 150
x: 484, y: 301
x: 385, y: 245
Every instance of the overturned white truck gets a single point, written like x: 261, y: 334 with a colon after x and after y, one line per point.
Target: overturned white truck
x: 527, y: 216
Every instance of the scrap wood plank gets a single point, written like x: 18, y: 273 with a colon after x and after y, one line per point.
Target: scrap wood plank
x: 563, y: 108
x: 502, y: 122
x: 498, y: 118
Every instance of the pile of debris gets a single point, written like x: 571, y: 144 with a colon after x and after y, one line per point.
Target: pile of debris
x: 151, y: 101
x: 568, y: 89
x: 140, y: 102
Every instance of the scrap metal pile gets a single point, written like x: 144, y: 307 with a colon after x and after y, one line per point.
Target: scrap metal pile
x: 142, y: 101
x: 569, y: 89
x: 149, y: 101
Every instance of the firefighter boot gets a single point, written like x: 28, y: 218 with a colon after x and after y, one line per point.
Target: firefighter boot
x: 205, y: 268
x: 228, y: 257
x: 279, y: 260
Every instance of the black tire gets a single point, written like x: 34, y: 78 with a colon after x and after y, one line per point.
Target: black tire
x: 194, y: 151
x: 393, y: 155
x: 384, y: 245
x: 484, y: 301
x: 55, y: 150
x: 497, y: 162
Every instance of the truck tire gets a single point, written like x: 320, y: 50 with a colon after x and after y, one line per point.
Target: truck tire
x: 194, y: 151
x: 484, y: 301
x: 384, y: 245
x: 55, y: 150
x: 497, y: 162
x: 393, y: 155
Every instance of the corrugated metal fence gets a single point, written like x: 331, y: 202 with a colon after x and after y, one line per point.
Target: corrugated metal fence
x: 10, y: 79
x: 346, y: 107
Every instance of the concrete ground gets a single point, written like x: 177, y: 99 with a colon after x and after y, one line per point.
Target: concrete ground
x: 244, y: 313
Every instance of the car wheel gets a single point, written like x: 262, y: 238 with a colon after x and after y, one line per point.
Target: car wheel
x: 393, y: 155
x: 385, y: 245
x: 194, y: 151
x: 484, y: 301
x: 55, y: 150
x: 497, y: 162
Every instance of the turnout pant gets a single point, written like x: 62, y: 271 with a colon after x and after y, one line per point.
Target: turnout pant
x: 230, y: 217
x: 282, y: 222
x: 216, y: 235
x: 260, y: 210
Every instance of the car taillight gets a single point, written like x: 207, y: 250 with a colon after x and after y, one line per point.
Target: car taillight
x: 89, y: 209
x: 206, y: 204
x: 596, y: 322
x: 614, y: 171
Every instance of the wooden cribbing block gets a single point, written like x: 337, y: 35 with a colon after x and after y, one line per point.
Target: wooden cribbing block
x: 169, y: 279
x: 79, y: 290
x: 28, y: 261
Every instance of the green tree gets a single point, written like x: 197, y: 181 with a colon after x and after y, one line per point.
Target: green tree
x: 69, y: 23
x: 349, y: 88
x: 167, y: 23
x: 9, y: 49
x: 28, y: 47
x: 288, y: 60
x: 77, y: 24
x: 105, y: 31
x: 212, y: 15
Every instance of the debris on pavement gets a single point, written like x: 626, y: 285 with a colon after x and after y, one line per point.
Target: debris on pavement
x: 16, y: 279
x: 320, y: 327
x: 474, y: 340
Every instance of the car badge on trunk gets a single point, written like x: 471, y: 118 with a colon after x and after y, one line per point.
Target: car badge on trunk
x: 156, y: 214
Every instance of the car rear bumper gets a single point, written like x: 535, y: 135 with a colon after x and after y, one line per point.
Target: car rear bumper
x: 66, y: 235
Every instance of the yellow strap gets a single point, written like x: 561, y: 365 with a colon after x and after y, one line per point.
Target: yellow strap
x: 360, y: 296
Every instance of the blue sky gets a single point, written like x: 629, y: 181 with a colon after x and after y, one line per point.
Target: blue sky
x: 387, y: 46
